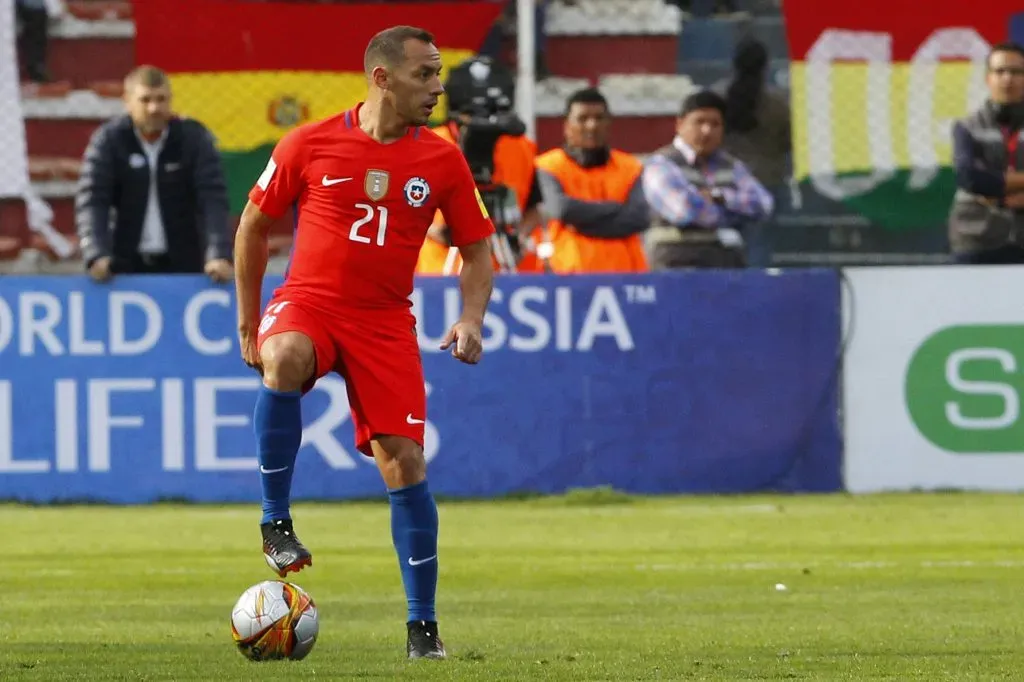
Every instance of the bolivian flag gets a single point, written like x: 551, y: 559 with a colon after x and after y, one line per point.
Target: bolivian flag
x: 875, y: 88
x: 252, y: 70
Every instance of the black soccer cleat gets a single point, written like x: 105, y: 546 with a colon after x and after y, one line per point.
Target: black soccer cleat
x: 282, y: 549
x: 423, y: 641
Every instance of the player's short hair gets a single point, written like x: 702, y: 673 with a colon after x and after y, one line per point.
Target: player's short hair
x: 387, y: 48
x: 147, y: 76
x: 1008, y: 46
x: 585, y: 96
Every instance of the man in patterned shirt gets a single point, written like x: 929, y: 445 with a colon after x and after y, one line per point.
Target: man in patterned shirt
x: 700, y: 197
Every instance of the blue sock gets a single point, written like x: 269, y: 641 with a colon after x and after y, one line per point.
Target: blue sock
x: 414, y: 532
x: 277, y: 421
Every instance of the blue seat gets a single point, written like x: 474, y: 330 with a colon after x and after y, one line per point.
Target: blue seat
x: 771, y: 32
x: 760, y: 8
x: 706, y: 73
x: 778, y: 73
x: 710, y: 39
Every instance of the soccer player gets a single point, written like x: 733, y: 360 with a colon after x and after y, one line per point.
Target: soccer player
x: 365, y: 184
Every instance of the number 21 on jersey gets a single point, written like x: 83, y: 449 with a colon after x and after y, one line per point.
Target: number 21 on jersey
x: 381, y: 215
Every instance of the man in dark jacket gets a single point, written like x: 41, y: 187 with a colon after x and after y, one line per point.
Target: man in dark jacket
x: 152, y: 196
x: 986, y: 223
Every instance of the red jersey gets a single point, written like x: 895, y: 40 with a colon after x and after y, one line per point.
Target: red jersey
x: 364, y: 207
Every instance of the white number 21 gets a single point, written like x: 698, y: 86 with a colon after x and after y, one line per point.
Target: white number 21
x: 382, y: 224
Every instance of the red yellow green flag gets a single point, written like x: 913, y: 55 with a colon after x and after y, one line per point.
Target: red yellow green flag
x: 875, y: 88
x: 251, y: 71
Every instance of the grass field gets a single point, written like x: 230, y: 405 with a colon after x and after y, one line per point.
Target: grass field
x: 583, y: 587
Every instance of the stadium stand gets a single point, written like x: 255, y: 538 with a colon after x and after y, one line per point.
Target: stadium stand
x: 646, y: 55
x: 92, y: 48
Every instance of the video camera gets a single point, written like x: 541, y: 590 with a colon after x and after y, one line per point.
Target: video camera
x: 481, y: 97
x: 481, y: 100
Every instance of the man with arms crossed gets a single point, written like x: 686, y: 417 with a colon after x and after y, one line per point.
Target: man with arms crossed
x: 366, y: 184
x: 986, y: 222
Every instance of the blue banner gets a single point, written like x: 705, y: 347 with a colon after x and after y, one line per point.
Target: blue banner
x: 679, y: 383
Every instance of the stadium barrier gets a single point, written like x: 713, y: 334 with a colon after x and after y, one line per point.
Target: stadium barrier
x: 675, y: 383
x: 933, y: 379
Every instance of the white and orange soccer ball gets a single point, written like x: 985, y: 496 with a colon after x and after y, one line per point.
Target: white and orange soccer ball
x: 275, y: 620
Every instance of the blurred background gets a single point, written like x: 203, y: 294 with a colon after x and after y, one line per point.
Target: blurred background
x: 840, y: 197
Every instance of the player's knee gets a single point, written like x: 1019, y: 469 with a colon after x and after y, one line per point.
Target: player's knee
x: 288, y: 361
x: 400, y: 460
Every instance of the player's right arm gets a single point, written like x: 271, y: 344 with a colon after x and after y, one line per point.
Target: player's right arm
x: 277, y: 188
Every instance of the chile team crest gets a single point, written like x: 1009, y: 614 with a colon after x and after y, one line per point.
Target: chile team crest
x: 416, y: 192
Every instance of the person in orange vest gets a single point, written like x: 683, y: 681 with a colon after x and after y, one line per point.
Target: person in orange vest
x: 514, y: 170
x: 592, y: 195
x: 513, y: 167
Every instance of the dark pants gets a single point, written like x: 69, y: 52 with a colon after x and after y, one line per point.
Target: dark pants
x: 1004, y: 255
x: 34, y: 37
x: 678, y: 255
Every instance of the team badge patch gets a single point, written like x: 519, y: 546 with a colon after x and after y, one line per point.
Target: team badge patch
x: 416, y: 192
x: 376, y: 184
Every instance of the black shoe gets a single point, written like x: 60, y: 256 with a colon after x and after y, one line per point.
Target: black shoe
x: 423, y: 641
x: 282, y: 549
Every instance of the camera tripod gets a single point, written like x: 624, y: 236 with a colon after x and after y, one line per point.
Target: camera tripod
x: 504, y: 241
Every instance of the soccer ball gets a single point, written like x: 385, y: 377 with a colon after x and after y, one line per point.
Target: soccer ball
x: 275, y: 620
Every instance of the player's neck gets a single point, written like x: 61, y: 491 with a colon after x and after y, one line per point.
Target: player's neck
x: 381, y: 123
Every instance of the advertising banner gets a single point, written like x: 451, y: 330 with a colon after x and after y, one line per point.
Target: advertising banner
x: 933, y: 379
x: 711, y: 383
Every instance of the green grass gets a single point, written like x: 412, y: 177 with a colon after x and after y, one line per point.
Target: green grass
x: 583, y: 587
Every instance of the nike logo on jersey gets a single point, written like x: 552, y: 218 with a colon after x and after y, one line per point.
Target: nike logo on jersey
x: 327, y: 182
x: 265, y: 470
x: 415, y: 562
x: 409, y: 419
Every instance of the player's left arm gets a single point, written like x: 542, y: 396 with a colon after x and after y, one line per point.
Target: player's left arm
x: 471, y: 229
x: 476, y: 280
